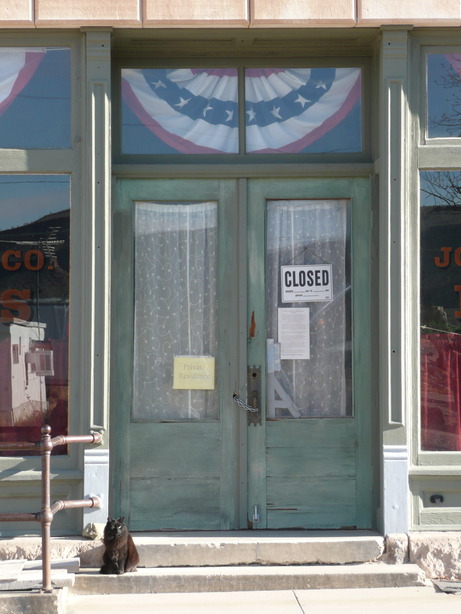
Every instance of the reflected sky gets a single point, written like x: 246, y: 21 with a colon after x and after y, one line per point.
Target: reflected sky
x: 440, y: 188
x: 444, y: 95
x: 35, y: 98
x: 26, y: 198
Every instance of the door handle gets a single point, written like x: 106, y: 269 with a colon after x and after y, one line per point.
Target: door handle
x: 241, y: 403
x: 253, y: 396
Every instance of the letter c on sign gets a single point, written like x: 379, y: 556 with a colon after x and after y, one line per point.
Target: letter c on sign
x: 6, y: 264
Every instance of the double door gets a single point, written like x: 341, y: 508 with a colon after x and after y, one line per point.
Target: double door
x: 241, y: 354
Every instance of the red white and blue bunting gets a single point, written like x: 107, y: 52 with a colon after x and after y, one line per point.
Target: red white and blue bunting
x: 197, y: 110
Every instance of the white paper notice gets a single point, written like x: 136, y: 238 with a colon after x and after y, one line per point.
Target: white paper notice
x: 293, y: 331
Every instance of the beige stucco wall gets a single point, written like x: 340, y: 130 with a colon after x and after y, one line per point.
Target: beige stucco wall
x: 227, y: 13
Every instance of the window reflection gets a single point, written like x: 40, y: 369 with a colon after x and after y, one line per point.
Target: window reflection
x: 34, y: 310
x: 303, y: 110
x: 34, y: 98
x: 440, y: 215
x: 185, y: 110
x: 444, y: 95
x: 196, y: 110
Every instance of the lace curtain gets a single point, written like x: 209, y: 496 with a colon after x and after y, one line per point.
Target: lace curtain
x: 308, y: 233
x: 175, y: 306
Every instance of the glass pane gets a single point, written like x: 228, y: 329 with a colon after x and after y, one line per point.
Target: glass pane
x: 179, y: 111
x: 175, y: 310
x: 34, y: 98
x: 308, y: 309
x: 444, y: 95
x: 440, y: 214
x: 34, y: 297
x: 303, y: 110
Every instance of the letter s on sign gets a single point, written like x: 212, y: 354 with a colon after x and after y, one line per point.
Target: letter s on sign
x: 16, y: 306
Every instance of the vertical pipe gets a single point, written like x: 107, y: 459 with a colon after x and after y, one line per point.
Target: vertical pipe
x: 46, y: 516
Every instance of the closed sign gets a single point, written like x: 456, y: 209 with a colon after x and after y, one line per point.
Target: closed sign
x: 306, y: 283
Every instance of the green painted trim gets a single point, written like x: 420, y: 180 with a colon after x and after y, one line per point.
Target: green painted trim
x: 249, y: 171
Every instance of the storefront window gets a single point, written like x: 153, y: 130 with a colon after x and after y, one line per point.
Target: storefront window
x: 440, y: 215
x: 303, y: 110
x: 444, y: 95
x: 34, y: 98
x: 196, y: 111
x: 192, y: 111
x: 34, y: 310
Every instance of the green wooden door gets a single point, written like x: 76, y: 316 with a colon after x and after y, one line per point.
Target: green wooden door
x: 309, y: 301
x: 204, y: 273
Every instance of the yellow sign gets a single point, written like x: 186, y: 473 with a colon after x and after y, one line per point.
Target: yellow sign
x: 193, y: 373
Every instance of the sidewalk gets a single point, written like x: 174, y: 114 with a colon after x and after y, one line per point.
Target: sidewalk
x: 422, y: 600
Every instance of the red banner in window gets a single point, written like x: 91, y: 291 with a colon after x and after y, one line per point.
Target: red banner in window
x: 441, y: 391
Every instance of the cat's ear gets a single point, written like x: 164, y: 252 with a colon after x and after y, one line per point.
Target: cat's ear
x: 109, y: 519
x: 121, y: 520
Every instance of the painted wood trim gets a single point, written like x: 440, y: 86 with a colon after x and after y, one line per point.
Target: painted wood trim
x: 438, y: 515
x: 98, y: 219
x: 256, y: 352
x: 439, y: 154
x: 96, y: 483
x: 393, y: 168
x: 242, y: 281
x: 29, y: 475
x: 121, y: 360
x: 395, y: 489
x: 228, y: 349
x: 364, y: 407
x: 237, y: 171
x: 436, y: 470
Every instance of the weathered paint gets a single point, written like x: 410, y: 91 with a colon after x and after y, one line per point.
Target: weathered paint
x: 193, y: 475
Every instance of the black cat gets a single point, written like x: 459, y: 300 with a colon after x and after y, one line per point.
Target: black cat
x: 120, y: 555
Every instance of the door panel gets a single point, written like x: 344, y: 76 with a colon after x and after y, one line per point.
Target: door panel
x: 187, y: 456
x: 311, y: 467
x: 174, y: 274
x: 314, y: 440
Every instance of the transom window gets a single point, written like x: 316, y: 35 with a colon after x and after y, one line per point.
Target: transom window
x: 443, y: 95
x: 34, y: 98
x: 250, y: 111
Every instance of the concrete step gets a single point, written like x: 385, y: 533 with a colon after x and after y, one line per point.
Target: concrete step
x: 34, y: 602
x: 248, y: 578
x: 209, y: 548
x: 199, y: 549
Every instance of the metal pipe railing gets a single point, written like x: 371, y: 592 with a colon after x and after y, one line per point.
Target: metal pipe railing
x: 47, y: 512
